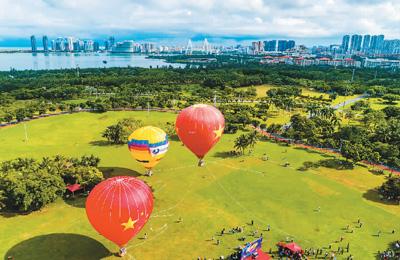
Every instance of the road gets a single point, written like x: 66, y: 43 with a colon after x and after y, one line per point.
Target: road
x: 347, y: 102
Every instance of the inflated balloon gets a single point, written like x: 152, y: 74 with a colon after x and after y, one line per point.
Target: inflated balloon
x: 119, y: 207
x: 200, y: 127
x: 148, y: 146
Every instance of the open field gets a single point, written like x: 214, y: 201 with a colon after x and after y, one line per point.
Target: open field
x: 227, y: 192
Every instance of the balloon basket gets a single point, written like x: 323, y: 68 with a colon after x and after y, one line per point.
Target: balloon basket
x: 201, y: 163
x: 149, y: 172
x: 122, y: 252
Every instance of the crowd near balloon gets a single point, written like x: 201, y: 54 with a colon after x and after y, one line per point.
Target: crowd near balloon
x: 119, y: 207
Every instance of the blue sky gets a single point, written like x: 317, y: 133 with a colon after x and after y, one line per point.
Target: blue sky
x: 175, y: 21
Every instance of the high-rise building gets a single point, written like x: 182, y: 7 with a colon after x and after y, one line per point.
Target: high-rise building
x: 376, y: 44
x: 282, y: 45
x: 257, y: 47
x: 77, y: 48
x: 270, y: 45
x: 366, y: 42
x: 96, y: 46
x: 345, y: 43
x: 125, y: 46
x: 111, y: 41
x: 45, y: 41
x: 355, y: 42
x: 88, y: 45
x: 60, y: 45
x: 291, y: 44
x: 53, y: 45
x: 391, y: 47
x: 379, y: 42
x: 33, y: 43
x: 69, y: 44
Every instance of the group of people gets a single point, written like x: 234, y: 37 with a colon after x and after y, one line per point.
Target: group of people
x: 393, y: 253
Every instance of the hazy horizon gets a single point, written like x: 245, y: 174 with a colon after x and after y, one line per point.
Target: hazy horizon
x: 175, y: 21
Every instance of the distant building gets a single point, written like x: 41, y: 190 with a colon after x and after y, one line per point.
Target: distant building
x: 148, y: 47
x: 69, y: 46
x: 376, y: 44
x: 123, y: 47
x: 381, y: 63
x: 33, y: 43
x: 345, y: 43
x: 290, y: 44
x: 270, y: 45
x: 366, y: 42
x: 60, y: 46
x: 53, y: 45
x: 355, y: 42
x: 45, y: 41
x: 88, y: 45
x: 257, y: 47
x: 96, y: 46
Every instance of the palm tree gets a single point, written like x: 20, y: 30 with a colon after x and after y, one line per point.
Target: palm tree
x: 252, y: 139
x: 241, y: 143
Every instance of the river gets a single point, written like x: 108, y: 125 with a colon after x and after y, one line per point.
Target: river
x: 45, y: 61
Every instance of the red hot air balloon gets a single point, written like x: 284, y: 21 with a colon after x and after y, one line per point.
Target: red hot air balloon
x: 200, y: 127
x: 119, y: 207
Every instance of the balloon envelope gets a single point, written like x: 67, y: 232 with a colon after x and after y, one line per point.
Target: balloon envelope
x: 148, y: 145
x: 119, y: 207
x: 200, y: 127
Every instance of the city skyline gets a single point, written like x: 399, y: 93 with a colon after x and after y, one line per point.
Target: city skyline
x: 232, y: 21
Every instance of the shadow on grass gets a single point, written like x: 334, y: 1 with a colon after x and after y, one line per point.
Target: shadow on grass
x: 101, y: 143
x: 314, y: 151
x: 373, y: 195
x: 10, y: 214
x: 225, y: 154
x: 77, y: 201
x: 337, y: 164
x: 58, y: 246
x: 332, y: 163
x: 109, y: 172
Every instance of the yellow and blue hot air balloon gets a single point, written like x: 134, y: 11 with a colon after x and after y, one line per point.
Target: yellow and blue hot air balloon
x: 148, y: 146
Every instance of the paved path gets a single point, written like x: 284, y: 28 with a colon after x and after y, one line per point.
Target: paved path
x: 345, y: 103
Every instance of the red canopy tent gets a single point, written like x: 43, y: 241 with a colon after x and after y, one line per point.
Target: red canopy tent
x: 295, y: 248
x: 260, y: 256
x: 74, y: 187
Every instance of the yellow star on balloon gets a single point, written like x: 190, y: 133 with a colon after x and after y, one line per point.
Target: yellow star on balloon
x: 129, y: 224
x: 218, y: 132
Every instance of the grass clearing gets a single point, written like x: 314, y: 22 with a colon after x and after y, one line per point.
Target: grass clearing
x: 227, y: 192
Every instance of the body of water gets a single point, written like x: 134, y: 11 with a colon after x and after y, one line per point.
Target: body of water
x: 45, y: 61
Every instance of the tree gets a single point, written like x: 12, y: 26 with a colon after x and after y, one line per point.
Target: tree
x: 20, y: 114
x: 391, y: 98
x: 119, y: 133
x: 8, y: 116
x: 390, y: 189
x: 246, y: 141
x: 241, y: 143
x: 356, y: 152
x: 29, y: 188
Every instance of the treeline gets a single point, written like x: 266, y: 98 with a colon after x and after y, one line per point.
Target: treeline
x: 67, y: 84
x: 375, y: 139
x: 27, y: 184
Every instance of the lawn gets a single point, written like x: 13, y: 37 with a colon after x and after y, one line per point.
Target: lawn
x: 227, y: 192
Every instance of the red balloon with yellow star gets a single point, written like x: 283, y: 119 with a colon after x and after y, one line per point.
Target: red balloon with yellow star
x: 119, y: 207
x: 200, y: 127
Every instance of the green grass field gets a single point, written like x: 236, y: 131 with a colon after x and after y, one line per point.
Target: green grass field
x: 227, y: 192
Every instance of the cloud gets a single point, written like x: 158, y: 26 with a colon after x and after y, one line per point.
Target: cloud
x: 303, y: 19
